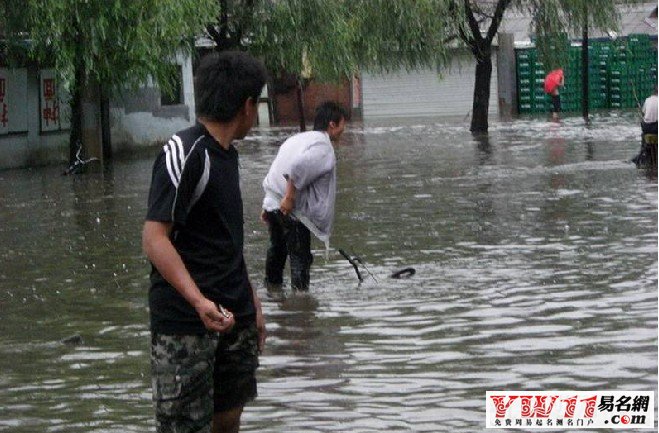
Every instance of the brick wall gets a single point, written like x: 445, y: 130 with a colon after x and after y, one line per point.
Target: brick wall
x: 285, y: 104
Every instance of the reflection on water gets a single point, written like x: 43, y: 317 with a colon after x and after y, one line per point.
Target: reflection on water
x: 536, y: 258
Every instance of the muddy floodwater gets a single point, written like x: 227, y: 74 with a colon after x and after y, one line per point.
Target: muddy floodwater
x: 536, y: 269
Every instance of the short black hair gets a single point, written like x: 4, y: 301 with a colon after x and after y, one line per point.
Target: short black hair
x: 224, y: 81
x: 327, y: 112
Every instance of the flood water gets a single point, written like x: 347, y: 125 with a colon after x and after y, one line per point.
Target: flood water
x: 536, y: 260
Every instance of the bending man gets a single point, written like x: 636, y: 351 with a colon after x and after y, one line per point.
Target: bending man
x: 300, y: 191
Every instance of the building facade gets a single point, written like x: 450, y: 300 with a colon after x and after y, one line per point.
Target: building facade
x: 35, y: 115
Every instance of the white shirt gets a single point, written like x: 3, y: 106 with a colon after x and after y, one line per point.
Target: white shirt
x: 650, y: 109
x: 308, y: 159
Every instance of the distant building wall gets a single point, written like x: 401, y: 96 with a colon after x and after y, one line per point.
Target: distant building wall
x: 35, y: 115
x: 285, y: 102
x: 140, y: 118
x: 426, y: 92
x: 31, y: 128
x: 506, y: 75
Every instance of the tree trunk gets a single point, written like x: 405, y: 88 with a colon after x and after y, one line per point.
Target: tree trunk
x: 223, y: 44
x: 300, y: 105
x: 77, y: 88
x: 481, y: 103
x: 106, y: 142
x: 227, y: 38
x: 75, y: 134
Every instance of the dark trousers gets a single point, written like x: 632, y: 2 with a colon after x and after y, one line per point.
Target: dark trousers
x: 288, y: 237
x: 649, y: 128
x: 556, y: 103
x: 647, y: 157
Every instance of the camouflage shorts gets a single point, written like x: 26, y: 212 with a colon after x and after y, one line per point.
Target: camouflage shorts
x: 196, y: 375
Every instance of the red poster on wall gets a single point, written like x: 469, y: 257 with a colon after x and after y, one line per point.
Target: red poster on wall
x: 49, y: 113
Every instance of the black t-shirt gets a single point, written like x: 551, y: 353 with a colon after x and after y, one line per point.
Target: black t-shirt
x: 195, y: 185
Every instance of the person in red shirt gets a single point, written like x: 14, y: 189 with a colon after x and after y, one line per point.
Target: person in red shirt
x: 553, y: 81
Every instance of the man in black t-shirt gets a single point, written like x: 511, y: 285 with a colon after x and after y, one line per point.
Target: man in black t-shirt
x: 207, y: 327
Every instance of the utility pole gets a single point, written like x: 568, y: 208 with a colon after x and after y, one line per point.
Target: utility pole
x: 584, y: 65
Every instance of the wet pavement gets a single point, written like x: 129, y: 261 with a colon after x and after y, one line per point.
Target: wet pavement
x: 536, y: 260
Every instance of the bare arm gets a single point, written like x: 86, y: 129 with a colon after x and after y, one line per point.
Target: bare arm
x: 260, y: 320
x: 160, y: 251
x: 288, y: 202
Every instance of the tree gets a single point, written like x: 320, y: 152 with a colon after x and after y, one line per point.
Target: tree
x: 553, y: 21
x: 330, y: 41
x: 480, y: 45
x: 113, y: 45
x: 296, y: 39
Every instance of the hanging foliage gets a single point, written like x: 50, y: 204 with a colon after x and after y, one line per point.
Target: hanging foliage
x: 117, y: 43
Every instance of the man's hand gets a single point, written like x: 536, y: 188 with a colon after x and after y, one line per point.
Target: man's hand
x: 213, y: 318
x: 287, y: 204
x: 264, y: 216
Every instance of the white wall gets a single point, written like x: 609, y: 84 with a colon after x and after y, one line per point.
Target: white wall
x: 144, y: 122
x: 16, y: 99
x: 23, y: 144
x: 138, y: 119
x: 425, y: 92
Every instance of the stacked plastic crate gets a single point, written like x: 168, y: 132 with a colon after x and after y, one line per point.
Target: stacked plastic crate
x: 540, y: 98
x: 598, y: 60
x: 642, y: 67
x: 571, y: 92
x: 632, y: 71
x: 530, y: 82
x: 620, y: 94
x: 525, y: 58
x: 621, y: 74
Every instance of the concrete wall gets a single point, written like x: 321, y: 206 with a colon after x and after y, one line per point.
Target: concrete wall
x: 23, y: 143
x: 30, y: 138
x: 138, y: 119
x: 506, y: 76
x: 426, y: 92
